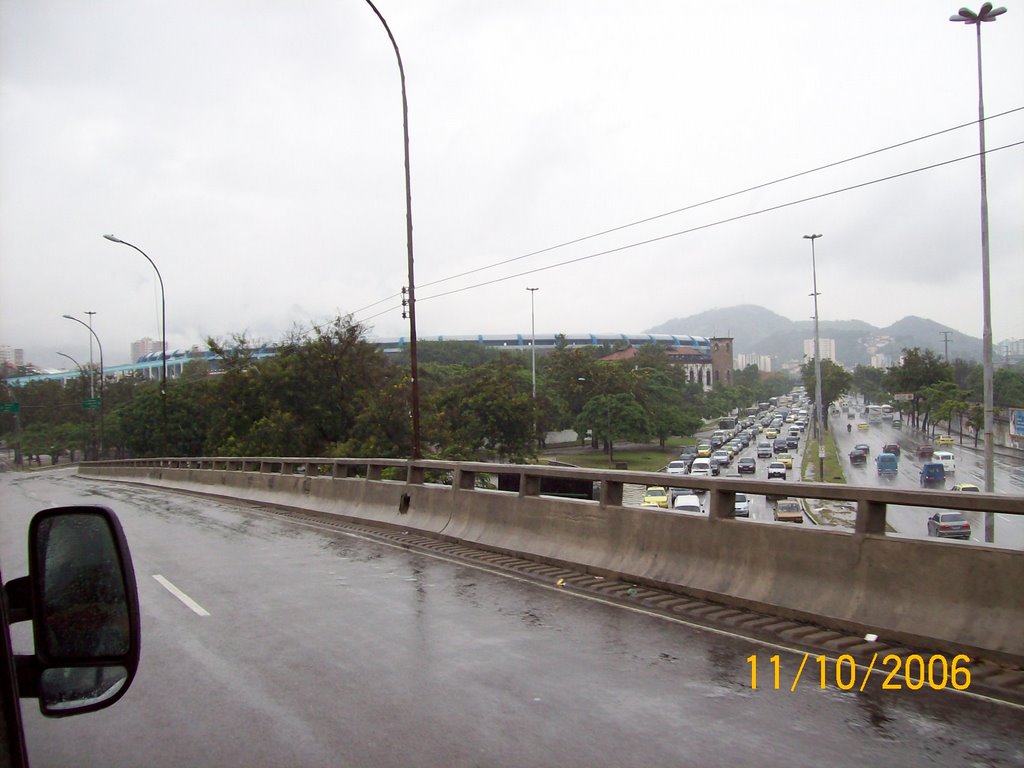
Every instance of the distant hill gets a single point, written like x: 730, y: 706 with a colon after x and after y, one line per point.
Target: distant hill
x: 757, y: 330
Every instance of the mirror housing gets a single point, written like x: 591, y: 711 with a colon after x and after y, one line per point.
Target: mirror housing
x: 84, y: 606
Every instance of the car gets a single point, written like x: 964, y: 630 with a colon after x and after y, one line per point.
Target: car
x: 925, y: 450
x: 863, y: 426
x: 966, y: 487
x: 793, y: 441
x: 722, y: 456
x: 947, y: 460
x: 742, y: 505
x: 771, y: 433
x: 863, y: 447
x: 704, y: 450
x: 687, y: 503
x: 933, y: 474
x: 687, y: 451
x: 858, y: 457
x: 944, y: 440
x: 897, y: 421
x: 656, y: 496
x: 892, y: 448
x: 764, y: 450
x: 777, y: 469
x: 785, y: 458
x: 747, y: 465
x: 788, y: 511
x: 678, y: 467
x: 701, y: 467
x: 779, y: 445
x: 949, y: 525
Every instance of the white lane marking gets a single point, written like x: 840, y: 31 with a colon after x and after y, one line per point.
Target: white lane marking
x: 181, y: 595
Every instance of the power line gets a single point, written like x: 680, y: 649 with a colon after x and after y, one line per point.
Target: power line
x: 682, y: 210
x: 713, y: 200
x: 747, y: 215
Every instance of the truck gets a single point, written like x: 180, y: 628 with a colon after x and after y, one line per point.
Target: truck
x: 887, y: 464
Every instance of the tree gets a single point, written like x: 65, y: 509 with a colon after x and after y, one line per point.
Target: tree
x: 835, y: 381
x: 918, y: 371
x: 614, y: 416
x: 870, y: 382
x: 486, y: 410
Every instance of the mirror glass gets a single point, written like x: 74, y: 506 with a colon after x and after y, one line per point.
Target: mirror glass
x: 84, y: 608
x: 76, y: 687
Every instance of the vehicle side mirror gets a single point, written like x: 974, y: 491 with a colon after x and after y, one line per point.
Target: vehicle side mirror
x: 84, y: 611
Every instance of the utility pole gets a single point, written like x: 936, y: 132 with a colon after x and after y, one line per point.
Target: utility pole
x: 945, y: 341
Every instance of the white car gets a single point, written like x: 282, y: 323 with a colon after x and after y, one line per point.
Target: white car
x: 777, y: 469
x: 676, y: 467
x: 687, y: 503
x: 742, y: 505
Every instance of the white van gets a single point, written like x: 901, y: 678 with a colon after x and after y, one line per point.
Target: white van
x: 946, y: 459
x: 701, y: 467
x: 687, y: 503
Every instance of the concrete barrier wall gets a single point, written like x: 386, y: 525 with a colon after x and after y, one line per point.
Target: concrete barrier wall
x: 944, y: 595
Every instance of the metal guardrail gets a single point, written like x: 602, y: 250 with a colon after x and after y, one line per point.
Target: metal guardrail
x: 871, y: 502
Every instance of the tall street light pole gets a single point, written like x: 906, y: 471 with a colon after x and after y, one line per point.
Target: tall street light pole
x: 985, y: 14
x: 163, y: 333
x: 92, y: 335
x: 818, y: 405
x: 413, y: 360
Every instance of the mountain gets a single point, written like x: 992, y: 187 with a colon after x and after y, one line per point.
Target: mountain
x: 745, y: 321
x: 757, y: 330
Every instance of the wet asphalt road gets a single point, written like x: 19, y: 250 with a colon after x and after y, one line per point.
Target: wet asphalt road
x: 913, y: 521
x: 323, y: 649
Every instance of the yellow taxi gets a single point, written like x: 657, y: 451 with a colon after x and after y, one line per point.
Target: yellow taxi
x: 704, y: 450
x: 944, y: 440
x: 863, y: 426
x: 785, y: 458
x: 656, y: 496
x: 968, y: 487
x: 771, y: 434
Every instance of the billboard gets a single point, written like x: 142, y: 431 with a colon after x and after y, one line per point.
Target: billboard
x: 1017, y: 423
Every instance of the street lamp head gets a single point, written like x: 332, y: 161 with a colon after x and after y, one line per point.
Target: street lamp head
x: 985, y: 13
x: 113, y: 239
x: 69, y: 317
x: 811, y: 237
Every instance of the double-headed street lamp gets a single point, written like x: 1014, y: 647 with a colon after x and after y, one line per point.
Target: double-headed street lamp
x: 92, y: 335
x: 163, y: 333
x: 966, y: 16
x: 81, y: 372
x: 818, y: 405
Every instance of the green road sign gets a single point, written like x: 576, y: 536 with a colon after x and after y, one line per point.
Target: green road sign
x: 91, y: 402
x: 10, y: 407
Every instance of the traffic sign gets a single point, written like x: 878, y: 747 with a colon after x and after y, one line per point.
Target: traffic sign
x: 903, y: 396
x: 91, y: 403
x: 10, y: 407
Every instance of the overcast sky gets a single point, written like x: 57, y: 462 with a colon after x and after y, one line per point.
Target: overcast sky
x: 253, y: 148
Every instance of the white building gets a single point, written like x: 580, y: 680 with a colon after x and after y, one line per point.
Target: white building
x: 827, y: 346
x: 763, y: 362
x: 144, y: 346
